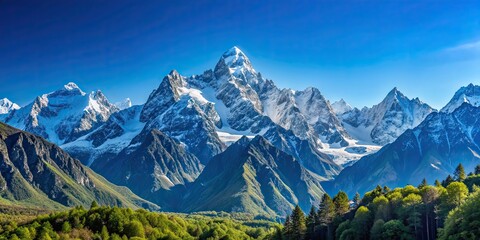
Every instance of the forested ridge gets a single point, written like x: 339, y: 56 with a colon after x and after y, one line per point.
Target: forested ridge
x: 445, y: 210
x: 124, y: 223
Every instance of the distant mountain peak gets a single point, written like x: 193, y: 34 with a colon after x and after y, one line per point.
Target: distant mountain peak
x: 469, y: 94
x: 395, y: 94
x: 126, y: 103
x: 6, y: 106
x: 340, y: 107
x: 68, y: 89
x: 71, y: 86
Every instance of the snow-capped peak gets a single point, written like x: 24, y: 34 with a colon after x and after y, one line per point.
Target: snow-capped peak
x: 235, y: 56
x: 394, y: 94
x: 69, y: 89
x: 340, y: 107
x: 126, y: 103
x: 6, y: 106
x: 469, y: 94
x: 237, y: 62
x: 71, y: 86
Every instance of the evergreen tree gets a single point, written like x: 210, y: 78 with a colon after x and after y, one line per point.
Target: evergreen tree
x: 341, y: 203
x: 325, y: 215
x: 298, y: 223
x: 437, y: 183
x: 460, y: 173
x: 94, y: 205
x: 104, y: 233
x: 430, y: 196
x: 361, y: 222
x: 342, y: 227
x: 381, y: 207
x: 447, y: 181
x: 287, y: 227
x: 378, y: 191
x: 477, y: 170
x: 66, y: 228
x: 311, y: 222
x: 423, y: 184
x: 457, y: 193
x: 357, y: 199
x: 134, y: 229
x: 412, y: 204
x: 376, y: 231
x: 463, y: 222
x: 394, y: 229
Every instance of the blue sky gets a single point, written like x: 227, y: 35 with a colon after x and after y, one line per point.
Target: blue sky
x: 356, y: 50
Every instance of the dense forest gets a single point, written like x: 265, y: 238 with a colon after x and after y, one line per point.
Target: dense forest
x: 123, y: 223
x: 446, y: 210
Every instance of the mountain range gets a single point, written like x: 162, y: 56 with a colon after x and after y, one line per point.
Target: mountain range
x: 432, y: 150
x: 229, y: 139
x: 37, y: 173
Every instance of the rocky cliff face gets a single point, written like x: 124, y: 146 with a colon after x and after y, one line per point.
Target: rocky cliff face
x: 36, y: 172
x: 255, y: 177
x: 64, y: 115
x: 384, y: 122
x: 432, y: 150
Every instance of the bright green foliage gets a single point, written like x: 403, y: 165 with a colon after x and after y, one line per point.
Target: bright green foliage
x: 459, y: 173
x: 341, y: 203
x: 94, y: 204
x: 361, y: 221
x: 66, y: 227
x: 134, y: 229
x: 381, y: 207
x: 457, y: 193
x: 298, y: 223
x: 104, y: 233
x: 412, y: 205
x: 401, y: 213
x: 123, y: 223
x: 464, y: 221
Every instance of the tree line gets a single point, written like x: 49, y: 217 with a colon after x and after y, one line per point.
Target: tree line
x: 114, y: 223
x: 445, y: 210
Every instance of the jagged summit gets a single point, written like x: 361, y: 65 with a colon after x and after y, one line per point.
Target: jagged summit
x: 340, y: 107
x: 235, y: 62
x: 126, y: 103
x: 469, y: 94
x: 7, y: 106
x: 63, y: 115
x: 235, y: 56
x: 71, y: 87
x: 387, y: 120
x: 395, y: 94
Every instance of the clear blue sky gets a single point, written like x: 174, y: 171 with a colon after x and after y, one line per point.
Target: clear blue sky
x: 356, y: 50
